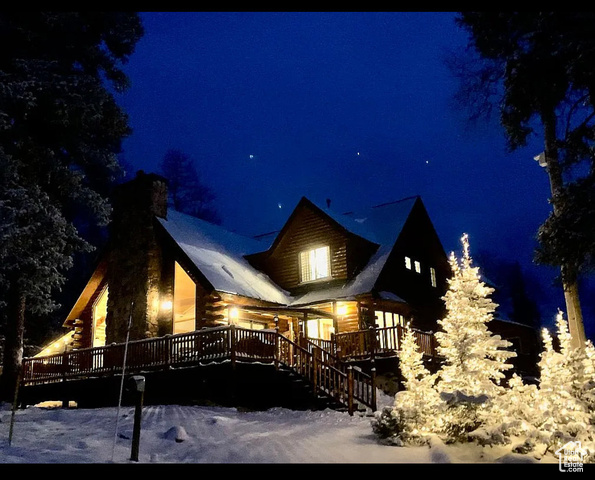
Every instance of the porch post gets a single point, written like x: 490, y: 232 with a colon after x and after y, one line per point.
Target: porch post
x: 372, y: 330
x: 232, y: 342
x: 277, y: 352
x: 306, y: 324
x: 315, y: 368
x: 64, y: 374
x: 373, y: 374
x: 350, y: 390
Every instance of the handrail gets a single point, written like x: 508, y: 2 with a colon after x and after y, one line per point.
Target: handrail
x: 327, y: 373
x: 378, y: 341
x: 330, y: 376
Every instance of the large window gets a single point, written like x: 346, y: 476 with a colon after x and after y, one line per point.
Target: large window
x: 389, y: 319
x: 99, y: 316
x: 184, y: 303
x: 315, y: 264
x: 251, y: 324
x: 321, y: 328
x: 387, y: 338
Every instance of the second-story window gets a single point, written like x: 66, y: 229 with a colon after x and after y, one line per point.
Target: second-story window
x: 407, y: 263
x: 417, y: 266
x: 433, y: 276
x: 315, y: 264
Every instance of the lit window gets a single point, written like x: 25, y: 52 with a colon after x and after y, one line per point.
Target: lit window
x: 407, y: 263
x: 251, y: 324
x: 417, y: 267
x: 315, y: 264
x: 433, y: 276
x: 99, y: 316
x: 184, y: 304
x: 379, y: 318
x: 321, y: 328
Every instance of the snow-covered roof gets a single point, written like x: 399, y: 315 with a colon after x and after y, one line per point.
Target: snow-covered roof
x: 219, y: 255
x: 382, y: 225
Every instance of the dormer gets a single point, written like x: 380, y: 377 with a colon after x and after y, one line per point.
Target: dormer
x: 313, y: 250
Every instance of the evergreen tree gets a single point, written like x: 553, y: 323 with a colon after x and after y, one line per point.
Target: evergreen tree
x: 475, y: 360
x: 60, y: 133
x: 187, y: 193
x: 565, y: 388
x: 538, y: 68
x: 418, y: 401
x: 412, y: 417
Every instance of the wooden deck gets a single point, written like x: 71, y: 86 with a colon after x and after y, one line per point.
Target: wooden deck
x: 323, y: 364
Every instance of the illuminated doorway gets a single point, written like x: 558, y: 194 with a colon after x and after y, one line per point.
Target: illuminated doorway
x: 184, y: 304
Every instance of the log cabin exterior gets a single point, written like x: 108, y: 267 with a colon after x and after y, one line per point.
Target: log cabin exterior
x: 325, y: 277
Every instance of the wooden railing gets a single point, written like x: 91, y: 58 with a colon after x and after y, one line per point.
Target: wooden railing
x: 327, y: 373
x: 341, y: 377
x: 379, y: 341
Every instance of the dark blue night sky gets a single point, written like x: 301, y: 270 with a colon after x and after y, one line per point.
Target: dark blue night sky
x: 355, y: 107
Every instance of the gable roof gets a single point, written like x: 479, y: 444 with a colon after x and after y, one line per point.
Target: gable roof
x: 382, y: 225
x: 219, y: 256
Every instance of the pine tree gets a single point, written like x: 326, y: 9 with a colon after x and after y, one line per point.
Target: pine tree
x: 417, y: 402
x: 60, y: 133
x: 187, y: 192
x: 413, y: 415
x: 564, y: 390
x: 475, y: 360
x: 537, y: 69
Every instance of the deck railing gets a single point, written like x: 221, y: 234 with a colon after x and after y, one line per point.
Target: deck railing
x: 379, y: 341
x: 328, y: 375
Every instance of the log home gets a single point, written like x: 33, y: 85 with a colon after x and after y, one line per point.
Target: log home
x: 323, y: 274
x: 326, y: 279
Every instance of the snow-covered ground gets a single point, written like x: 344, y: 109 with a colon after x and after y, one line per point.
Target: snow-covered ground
x: 200, y: 434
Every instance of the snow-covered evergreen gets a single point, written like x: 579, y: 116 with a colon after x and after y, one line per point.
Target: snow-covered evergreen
x: 475, y: 359
x: 412, y: 418
x: 466, y: 400
x: 566, y: 391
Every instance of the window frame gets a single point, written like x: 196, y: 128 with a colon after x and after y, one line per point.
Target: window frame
x: 408, y: 264
x: 312, y: 267
x: 417, y: 265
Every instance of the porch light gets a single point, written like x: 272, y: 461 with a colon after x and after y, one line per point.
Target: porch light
x: 342, y: 310
x: 166, y: 305
x: 234, y: 313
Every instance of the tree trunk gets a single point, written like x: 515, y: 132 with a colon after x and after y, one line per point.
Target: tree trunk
x: 568, y: 273
x: 13, y: 345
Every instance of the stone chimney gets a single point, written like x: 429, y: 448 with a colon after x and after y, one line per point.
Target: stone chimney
x: 135, y: 258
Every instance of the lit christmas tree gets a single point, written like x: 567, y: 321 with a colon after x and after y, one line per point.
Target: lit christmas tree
x: 413, y: 415
x: 475, y: 359
x: 566, y: 390
x: 418, y: 402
